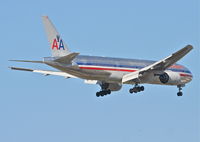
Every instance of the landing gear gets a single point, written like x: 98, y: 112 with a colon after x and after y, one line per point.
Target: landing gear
x: 180, y: 93
x: 136, y: 89
x: 104, y: 90
x: 103, y: 93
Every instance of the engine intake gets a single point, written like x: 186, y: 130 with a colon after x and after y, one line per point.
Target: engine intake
x: 164, y: 78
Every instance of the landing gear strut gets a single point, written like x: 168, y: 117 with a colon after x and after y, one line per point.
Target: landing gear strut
x: 104, y: 90
x: 136, y: 89
x: 180, y: 93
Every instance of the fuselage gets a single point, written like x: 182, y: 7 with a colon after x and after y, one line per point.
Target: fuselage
x: 113, y: 69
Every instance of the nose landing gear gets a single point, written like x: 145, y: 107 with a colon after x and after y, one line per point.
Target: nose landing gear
x: 136, y: 89
x: 180, y: 93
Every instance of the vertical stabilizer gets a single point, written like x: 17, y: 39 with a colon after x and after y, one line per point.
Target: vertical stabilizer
x: 57, y: 45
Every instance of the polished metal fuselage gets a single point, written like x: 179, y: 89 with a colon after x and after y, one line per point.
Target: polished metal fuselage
x: 111, y: 70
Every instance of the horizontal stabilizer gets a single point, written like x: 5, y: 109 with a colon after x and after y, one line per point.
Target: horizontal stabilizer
x: 27, y: 61
x: 45, y: 72
x: 21, y: 69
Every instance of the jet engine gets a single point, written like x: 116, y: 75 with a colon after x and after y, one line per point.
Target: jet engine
x: 170, y: 78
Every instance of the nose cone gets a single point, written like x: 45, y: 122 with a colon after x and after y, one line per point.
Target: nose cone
x: 186, y: 75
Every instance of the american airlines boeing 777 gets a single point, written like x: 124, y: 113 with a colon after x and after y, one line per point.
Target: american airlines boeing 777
x: 111, y: 73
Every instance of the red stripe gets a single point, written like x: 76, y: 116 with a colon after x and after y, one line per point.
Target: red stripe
x: 185, y: 75
x: 95, y: 68
x: 124, y: 70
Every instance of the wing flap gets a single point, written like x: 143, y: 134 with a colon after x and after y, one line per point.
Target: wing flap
x: 130, y: 76
x: 91, y: 81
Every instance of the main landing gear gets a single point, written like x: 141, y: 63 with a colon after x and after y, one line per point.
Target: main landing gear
x: 104, y: 90
x: 103, y: 93
x: 180, y: 93
x: 136, y: 89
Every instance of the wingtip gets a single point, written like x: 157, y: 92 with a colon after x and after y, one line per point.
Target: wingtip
x: 190, y: 46
x: 12, y: 60
x: 12, y: 68
x: 45, y: 17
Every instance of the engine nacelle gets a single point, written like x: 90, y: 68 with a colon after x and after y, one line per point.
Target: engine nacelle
x: 114, y: 86
x: 169, y: 77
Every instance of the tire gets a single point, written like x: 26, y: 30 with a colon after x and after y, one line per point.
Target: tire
x: 131, y: 91
x: 97, y: 94
x: 109, y: 92
x: 142, y: 88
x: 179, y: 94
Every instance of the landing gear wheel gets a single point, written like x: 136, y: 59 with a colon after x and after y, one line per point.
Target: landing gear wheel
x: 136, y: 89
x: 142, y: 88
x: 180, y: 94
x: 131, y: 91
x: 98, y: 94
x: 103, y: 93
x: 108, y: 91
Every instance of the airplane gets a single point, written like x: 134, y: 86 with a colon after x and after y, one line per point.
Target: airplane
x: 111, y: 73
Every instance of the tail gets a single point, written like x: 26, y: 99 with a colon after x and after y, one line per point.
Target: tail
x: 57, y: 45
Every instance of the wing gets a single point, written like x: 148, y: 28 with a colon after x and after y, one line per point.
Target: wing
x: 160, y: 65
x: 45, y: 72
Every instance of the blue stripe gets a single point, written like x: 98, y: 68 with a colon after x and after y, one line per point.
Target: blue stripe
x: 110, y: 65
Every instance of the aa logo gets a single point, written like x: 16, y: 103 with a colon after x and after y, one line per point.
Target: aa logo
x: 58, y: 43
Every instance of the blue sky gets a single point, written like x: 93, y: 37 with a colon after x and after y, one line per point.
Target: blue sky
x: 38, y: 108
